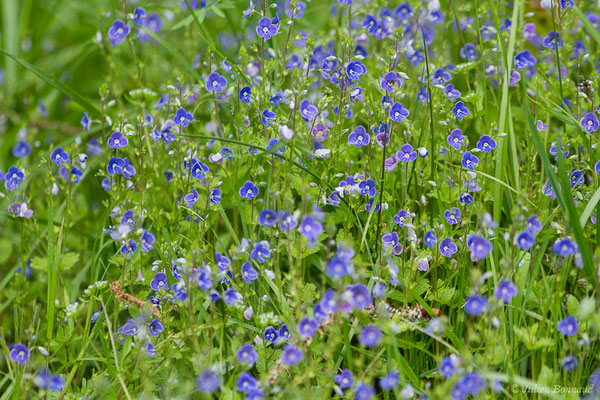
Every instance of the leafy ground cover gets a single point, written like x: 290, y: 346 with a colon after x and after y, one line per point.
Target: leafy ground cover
x: 299, y: 199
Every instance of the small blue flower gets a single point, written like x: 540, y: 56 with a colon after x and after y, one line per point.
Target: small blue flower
x: 182, y: 117
x: 261, y: 251
x: 448, y: 248
x: 159, y: 281
x: 469, y: 160
x: 568, y: 326
x: 246, y: 94
x: 476, y: 305
x: 369, y: 336
x: 19, y: 353
x: 249, y: 190
x: 505, y: 291
x: 359, y: 137
x: 398, y: 112
x: 525, y: 239
x: 344, y: 379
x: 117, y: 32
x: 117, y: 140
x: 266, y: 28
x: 460, y: 110
x: 246, y: 355
x: 155, y: 328
x: 486, y: 143
x: 271, y: 335
x: 363, y: 391
x: 291, y: 355
x: 59, y: 156
x: 267, y: 116
x: 215, y: 82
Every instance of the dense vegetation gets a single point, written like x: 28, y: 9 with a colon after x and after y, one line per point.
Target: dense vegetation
x: 299, y: 199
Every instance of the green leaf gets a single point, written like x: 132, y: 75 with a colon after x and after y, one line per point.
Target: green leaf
x: 66, y: 262
x: 61, y: 87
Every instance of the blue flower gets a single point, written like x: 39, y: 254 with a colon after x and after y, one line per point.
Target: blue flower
x: 249, y: 274
x: 267, y: 116
x: 569, y: 363
x: 449, y: 365
x: 455, y: 138
x: 59, y: 156
x: 470, y: 384
x: 46, y: 380
x: 117, y: 140
x: 391, y: 82
x: 291, y: 355
x: 284, y: 332
x: 231, y: 297
x: 476, y: 305
x: 147, y: 239
x: 451, y: 93
x: 149, y: 348
x: 430, y: 239
x: 468, y: 52
x: 117, y: 32
x: 191, y: 198
x: 590, y: 122
x: 505, y: 291
x: 246, y: 355
x: 208, y: 382
x: 307, y: 111
x: 355, y: 69
x: 565, y: 247
x: 452, y: 216
x: 460, y: 110
x: 139, y: 14
x: 182, y: 117
x: 568, y: 326
x: 469, y: 160
x: 21, y: 149
x: 159, y: 281
x: 86, y: 122
x: 369, y: 336
x: 215, y: 83
x: 261, y: 251
x: 155, y: 328
x: 406, y: 153
x: 344, y: 379
x: 13, y: 178
x: 363, y: 391
x: 249, y: 190
x: 552, y: 40
x: 448, y: 247
x: 486, y: 143
x: 398, y: 112
x: 480, y: 247
x: 129, y: 247
x: 129, y: 328
x: 19, y: 353
x: 359, y: 137
x: 266, y: 28
x: 337, y: 268
x: 199, y: 170
x: 402, y: 217
x: 465, y: 198
x: 307, y: 328
x: 533, y: 224
x: 246, y: 94
x: 310, y: 228
x: 390, y: 381
x: 271, y: 335
x: 246, y: 383
x: 215, y: 196
x: 525, y: 239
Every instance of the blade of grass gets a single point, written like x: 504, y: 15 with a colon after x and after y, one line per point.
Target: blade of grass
x: 61, y: 87
x: 11, y: 42
x: 564, y: 196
